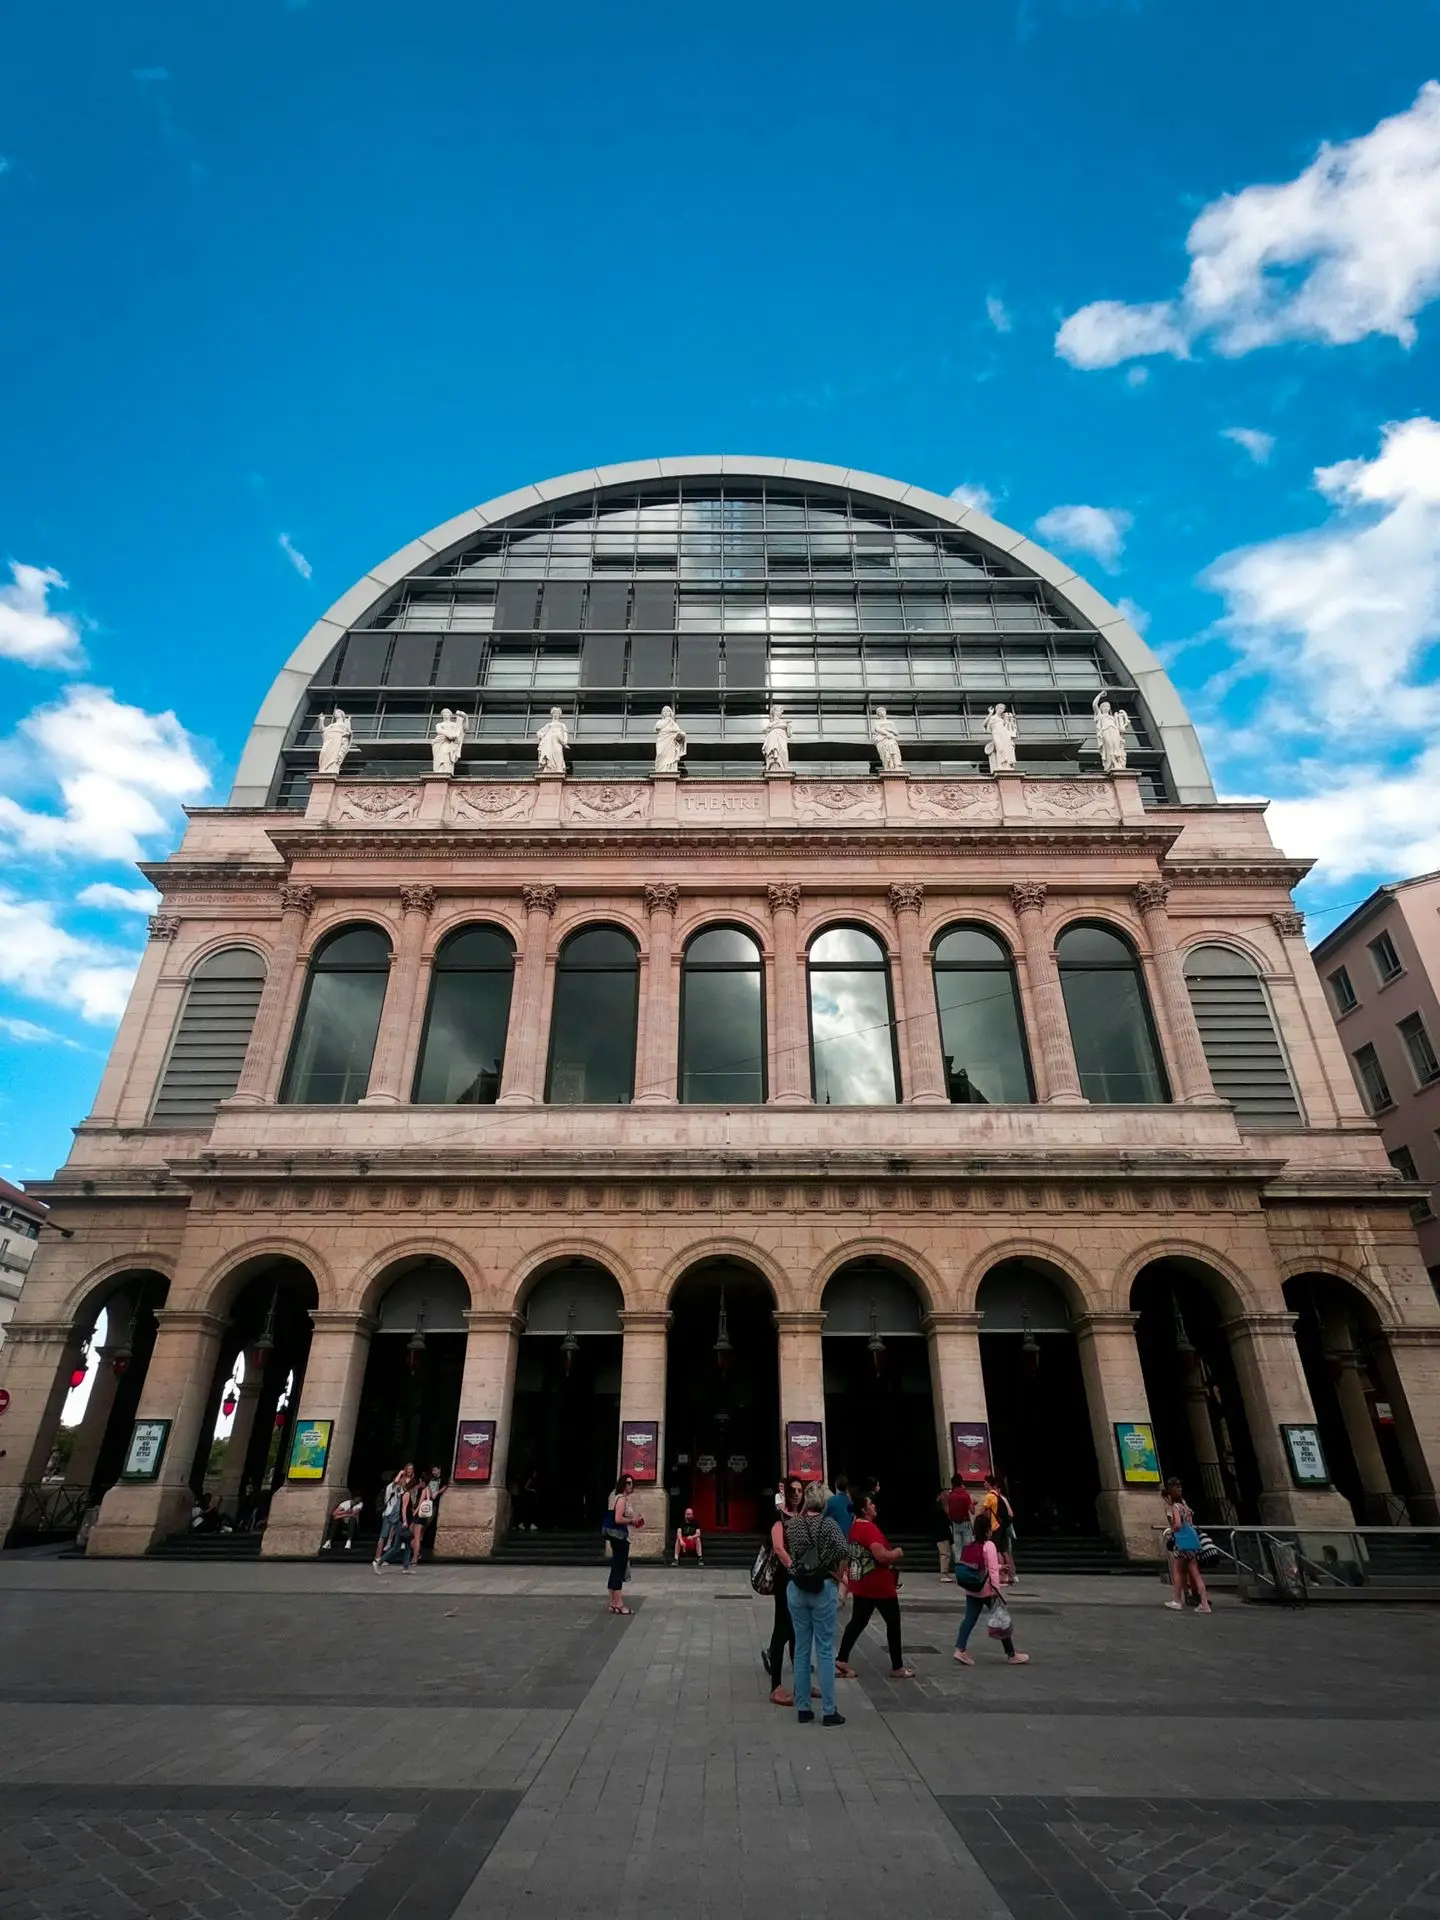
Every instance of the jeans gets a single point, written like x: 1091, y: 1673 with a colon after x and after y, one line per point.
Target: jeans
x: 814, y: 1617
x: 889, y: 1612
x: 388, y: 1531
x: 975, y: 1605
x: 962, y: 1532
x: 782, y: 1632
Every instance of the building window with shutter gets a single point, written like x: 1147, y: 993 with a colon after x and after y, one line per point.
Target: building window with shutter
x: 1423, y: 1062
x: 1373, y: 1084
x: 1242, y: 1045
x: 211, y: 1038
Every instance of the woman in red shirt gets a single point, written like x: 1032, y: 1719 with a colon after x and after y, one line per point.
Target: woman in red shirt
x: 876, y: 1592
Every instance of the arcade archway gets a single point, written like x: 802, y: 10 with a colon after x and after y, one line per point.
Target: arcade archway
x: 255, y: 1388
x: 1201, y: 1431
x: 879, y: 1404
x: 410, y: 1401
x: 1041, y: 1439
x: 565, y: 1429
x: 722, y: 1397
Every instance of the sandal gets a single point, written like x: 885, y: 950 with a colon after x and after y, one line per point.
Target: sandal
x: 844, y: 1671
x: 965, y: 1659
x: 622, y: 1610
x: 902, y: 1673
x: 780, y: 1698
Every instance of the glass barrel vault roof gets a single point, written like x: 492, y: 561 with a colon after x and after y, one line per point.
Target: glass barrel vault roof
x: 720, y: 587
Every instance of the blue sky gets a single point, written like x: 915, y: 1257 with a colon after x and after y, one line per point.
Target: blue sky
x: 290, y: 283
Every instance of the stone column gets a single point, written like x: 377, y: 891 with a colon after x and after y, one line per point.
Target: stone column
x: 1207, y: 1453
x: 523, y: 1080
x: 35, y: 1368
x: 90, y: 1435
x: 922, y: 1053
x: 660, y: 1015
x: 242, y: 1429
x: 1115, y: 1391
x: 402, y: 993
x: 1408, y: 1362
x: 474, y: 1516
x: 642, y: 1397
x: 1301, y: 1006
x: 957, y: 1384
x: 1377, y: 1496
x: 330, y: 1390
x: 1054, y: 1056
x: 1189, y: 1069
x: 178, y: 1383
x: 791, y: 1084
x: 802, y: 1373
x: 144, y: 1004
x: 265, y: 1056
x: 1272, y: 1385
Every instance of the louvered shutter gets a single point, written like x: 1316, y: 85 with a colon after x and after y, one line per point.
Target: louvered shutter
x: 1237, y: 1031
x: 210, y: 1042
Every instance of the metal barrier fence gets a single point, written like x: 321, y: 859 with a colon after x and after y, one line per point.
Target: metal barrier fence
x: 49, y: 1508
x: 1294, y: 1564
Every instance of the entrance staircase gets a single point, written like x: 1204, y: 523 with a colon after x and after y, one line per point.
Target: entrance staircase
x: 556, y: 1549
x: 207, y: 1546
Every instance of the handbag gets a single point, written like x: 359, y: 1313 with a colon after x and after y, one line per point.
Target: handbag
x: 1187, y: 1539
x: 862, y: 1562
x: 1000, y: 1624
x: 762, y: 1571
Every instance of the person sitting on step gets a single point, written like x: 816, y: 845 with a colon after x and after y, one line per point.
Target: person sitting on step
x: 688, y: 1543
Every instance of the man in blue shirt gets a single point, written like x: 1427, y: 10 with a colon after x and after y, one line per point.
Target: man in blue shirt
x: 838, y: 1507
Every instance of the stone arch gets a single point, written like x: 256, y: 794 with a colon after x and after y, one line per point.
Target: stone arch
x: 917, y: 1268
x: 824, y: 919
x: 379, y: 1274
x: 704, y: 915
x: 456, y: 916
x: 1264, y: 962
x: 1083, y: 1292
x: 1109, y: 916
x: 951, y: 915
x: 216, y: 1290
x: 339, y: 918
x: 88, y: 1296
x: 515, y: 1288
x: 206, y: 949
x: 582, y: 918
x: 1236, y: 1294
x: 745, y: 1253
x: 1376, y: 1297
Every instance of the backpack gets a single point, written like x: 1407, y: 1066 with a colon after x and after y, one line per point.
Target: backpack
x: 426, y: 1509
x: 970, y: 1577
x: 392, y: 1502
x: 807, y: 1571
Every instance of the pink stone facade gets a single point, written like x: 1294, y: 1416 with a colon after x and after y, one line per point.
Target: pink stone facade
x: 792, y: 1190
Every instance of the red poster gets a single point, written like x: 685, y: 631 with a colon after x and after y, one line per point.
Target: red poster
x: 640, y: 1451
x: 970, y: 1445
x: 474, y: 1446
x: 804, y: 1450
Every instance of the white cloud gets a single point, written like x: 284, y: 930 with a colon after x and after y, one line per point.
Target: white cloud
x: 998, y: 314
x: 297, y: 559
x: 121, y: 772
x: 1348, y: 248
x: 30, y: 629
x: 119, y: 899
x: 39, y: 958
x: 1258, y: 445
x: 1375, y: 821
x: 29, y: 1035
x: 1099, y: 531
x: 980, y: 499
x: 1137, y: 616
x: 1340, y: 619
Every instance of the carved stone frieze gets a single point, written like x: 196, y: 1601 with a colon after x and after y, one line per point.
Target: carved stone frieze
x: 701, y: 803
x: 607, y: 800
x: 1069, y: 799
x: 485, y: 800
x: 377, y: 805
x: 838, y: 800
x: 956, y: 799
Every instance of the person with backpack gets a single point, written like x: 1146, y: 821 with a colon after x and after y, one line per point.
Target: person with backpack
x: 1183, y: 1540
x: 782, y: 1631
x: 1002, y: 1528
x: 424, y: 1507
x: 819, y: 1557
x: 977, y: 1574
x: 875, y: 1589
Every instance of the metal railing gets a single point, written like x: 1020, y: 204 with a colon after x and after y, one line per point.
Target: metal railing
x: 1295, y: 1563
x: 50, y: 1507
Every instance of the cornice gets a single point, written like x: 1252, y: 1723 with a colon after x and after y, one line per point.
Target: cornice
x: 1253, y: 870
x: 177, y: 876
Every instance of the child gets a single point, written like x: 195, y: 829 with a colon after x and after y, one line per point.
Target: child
x: 688, y: 1541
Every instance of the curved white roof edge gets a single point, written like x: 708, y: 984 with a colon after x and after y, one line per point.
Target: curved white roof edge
x: 256, y: 772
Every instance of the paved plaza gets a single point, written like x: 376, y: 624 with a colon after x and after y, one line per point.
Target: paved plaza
x: 309, y: 1741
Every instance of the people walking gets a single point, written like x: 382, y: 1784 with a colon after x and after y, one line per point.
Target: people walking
x: 394, y: 1505
x: 619, y: 1519
x: 782, y: 1629
x: 960, y: 1511
x: 839, y: 1507
x: 1184, y: 1544
x: 818, y: 1558
x: 983, y: 1555
x: 875, y: 1592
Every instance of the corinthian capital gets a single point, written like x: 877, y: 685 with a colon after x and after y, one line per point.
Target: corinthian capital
x: 907, y: 896
x: 539, y: 899
x: 418, y: 899
x: 1151, y: 895
x: 1289, y: 921
x: 661, y: 898
x: 297, y: 900
x: 163, y: 926
x: 784, y: 897
x: 1028, y: 896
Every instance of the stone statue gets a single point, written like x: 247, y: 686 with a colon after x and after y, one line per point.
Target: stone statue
x: 551, y: 741
x: 1003, y: 730
x: 1111, y: 727
x: 671, y: 742
x: 775, y: 741
x: 336, y: 737
x: 447, y: 740
x: 886, y: 737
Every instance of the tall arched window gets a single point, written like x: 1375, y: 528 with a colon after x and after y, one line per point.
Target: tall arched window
x: 1109, y: 1014
x: 852, y: 1023
x: 210, y: 1041
x: 592, y: 1033
x: 463, y: 1050
x: 1237, y: 1031
x: 339, y: 1019
x: 722, y: 1021
x: 980, y: 1028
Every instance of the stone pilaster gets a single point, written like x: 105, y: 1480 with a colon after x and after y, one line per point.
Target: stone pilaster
x: 1272, y: 1385
x: 242, y: 1428
x: 1115, y: 1391
x: 1408, y: 1360
x: 1189, y: 1069
x: 802, y: 1373
x: 474, y: 1517
x: 660, y: 1014
x: 922, y: 1053
x: 957, y: 1383
x: 642, y: 1397
x: 790, y: 1084
x: 265, y: 1056
x: 1054, y: 1056
x: 523, y: 1080
x: 330, y: 1390
x: 402, y: 997
x: 35, y: 1367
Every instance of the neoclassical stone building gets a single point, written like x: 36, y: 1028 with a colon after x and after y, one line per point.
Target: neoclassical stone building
x: 727, y: 1119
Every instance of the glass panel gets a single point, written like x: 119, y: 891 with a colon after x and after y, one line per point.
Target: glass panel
x: 980, y: 1033
x: 331, y: 1062
x: 599, y: 947
x: 475, y: 947
x: 722, y: 946
x: 721, y: 1042
x: 1092, y: 947
x: 592, y: 1044
x: 969, y: 946
x: 854, y: 1058
x: 846, y: 945
x: 356, y: 947
x: 464, y: 1050
x: 1111, y: 1035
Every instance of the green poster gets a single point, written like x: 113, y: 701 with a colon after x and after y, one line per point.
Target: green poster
x: 1139, y: 1462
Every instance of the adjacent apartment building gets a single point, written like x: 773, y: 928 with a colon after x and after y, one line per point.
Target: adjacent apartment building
x: 1380, y: 969
x: 20, y: 1222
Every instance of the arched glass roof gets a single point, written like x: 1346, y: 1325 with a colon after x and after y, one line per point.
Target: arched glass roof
x: 720, y: 586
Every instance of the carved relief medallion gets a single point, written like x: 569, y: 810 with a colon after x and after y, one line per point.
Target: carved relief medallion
x: 378, y: 806
x: 482, y: 801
